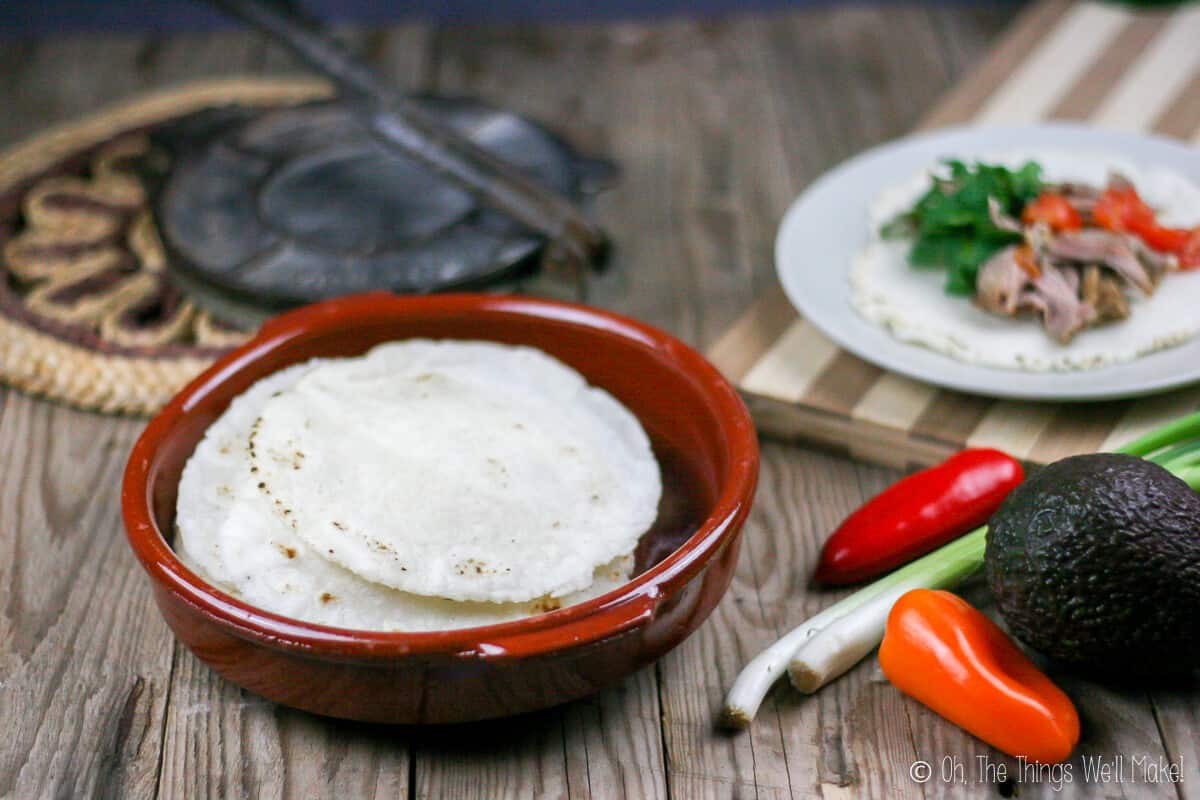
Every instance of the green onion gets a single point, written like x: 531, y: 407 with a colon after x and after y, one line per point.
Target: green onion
x: 831, y: 642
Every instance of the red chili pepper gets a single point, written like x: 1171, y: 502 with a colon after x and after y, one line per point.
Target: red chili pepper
x: 918, y: 514
x: 1053, y: 209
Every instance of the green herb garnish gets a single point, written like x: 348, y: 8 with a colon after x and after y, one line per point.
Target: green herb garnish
x: 951, y: 225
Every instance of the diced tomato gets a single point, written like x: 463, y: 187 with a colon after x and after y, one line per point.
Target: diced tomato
x: 1120, y: 208
x: 1054, y: 210
x: 1189, y: 254
x: 1164, y: 240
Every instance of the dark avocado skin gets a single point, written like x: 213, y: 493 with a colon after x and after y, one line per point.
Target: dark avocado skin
x: 1095, y: 561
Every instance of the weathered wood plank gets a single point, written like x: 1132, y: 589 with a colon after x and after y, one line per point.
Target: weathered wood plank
x: 522, y: 757
x: 782, y: 753
x: 1178, y: 716
x: 84, y: 660
x: 57, y: 78
x: 612, y: 744
x: 850, y: 737
x: 168, y: 60
x: 221, y: 741
x: 15, y: 56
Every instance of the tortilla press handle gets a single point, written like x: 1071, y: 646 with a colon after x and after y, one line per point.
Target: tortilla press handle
x: 596, y: 174
x: 397, y: 123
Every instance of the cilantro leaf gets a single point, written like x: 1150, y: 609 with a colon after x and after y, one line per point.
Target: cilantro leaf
x: 951, y: 226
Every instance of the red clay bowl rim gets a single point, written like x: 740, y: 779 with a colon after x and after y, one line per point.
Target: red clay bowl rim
x: 625, y: 607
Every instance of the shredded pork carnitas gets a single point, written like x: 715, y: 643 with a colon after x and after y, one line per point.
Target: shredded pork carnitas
x: 1072, y: 280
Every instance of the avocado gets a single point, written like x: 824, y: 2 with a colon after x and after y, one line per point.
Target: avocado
x: 1095, y: 561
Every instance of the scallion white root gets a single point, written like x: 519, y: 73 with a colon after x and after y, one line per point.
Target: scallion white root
x: 960, y: 557
x: 753, y: 683
x: 838, y: 647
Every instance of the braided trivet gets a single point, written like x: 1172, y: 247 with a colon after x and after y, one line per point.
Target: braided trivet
x: 87, y: 316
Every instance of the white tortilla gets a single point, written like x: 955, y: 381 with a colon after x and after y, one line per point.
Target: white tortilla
x: 464, y: 470
x: 911, y: 303
x: 229, y: 533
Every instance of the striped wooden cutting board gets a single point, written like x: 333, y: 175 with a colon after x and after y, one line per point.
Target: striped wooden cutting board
x: 1107, y: 64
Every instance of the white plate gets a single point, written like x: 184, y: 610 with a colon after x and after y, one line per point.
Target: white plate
x: 827, y: 225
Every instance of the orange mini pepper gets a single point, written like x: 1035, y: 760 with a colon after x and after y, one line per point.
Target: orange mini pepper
x: 941, y: 651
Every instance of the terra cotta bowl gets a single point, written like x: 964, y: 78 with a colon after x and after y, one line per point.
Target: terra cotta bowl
x: 701, y: 432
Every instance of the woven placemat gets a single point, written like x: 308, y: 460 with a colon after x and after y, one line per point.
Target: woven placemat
x: 1108, y: 64
x: 82, y: 268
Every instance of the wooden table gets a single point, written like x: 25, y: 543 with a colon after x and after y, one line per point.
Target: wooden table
x: 718, y: 124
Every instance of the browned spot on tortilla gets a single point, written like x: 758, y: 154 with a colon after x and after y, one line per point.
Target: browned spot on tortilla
x: 473, y: 564
x: 290, y: 552
x: 547, y: 604
x: 382, y: 547
x: 326, y: 597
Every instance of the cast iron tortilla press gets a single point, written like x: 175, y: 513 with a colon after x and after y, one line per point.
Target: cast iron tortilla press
x: 374, y: 190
